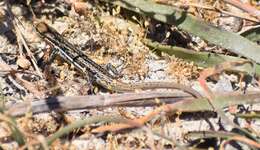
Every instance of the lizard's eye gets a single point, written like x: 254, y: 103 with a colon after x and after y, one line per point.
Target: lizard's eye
x: 42, y: 27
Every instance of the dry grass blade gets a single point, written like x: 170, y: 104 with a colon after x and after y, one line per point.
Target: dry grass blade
x: 214, y: 8
x: 20, y: 36
x: 246, y: 7
x: 93, y: 101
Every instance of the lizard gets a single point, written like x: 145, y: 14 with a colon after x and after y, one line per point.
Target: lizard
x: 94, y: 71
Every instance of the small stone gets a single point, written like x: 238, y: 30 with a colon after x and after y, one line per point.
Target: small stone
x: 23, y: 63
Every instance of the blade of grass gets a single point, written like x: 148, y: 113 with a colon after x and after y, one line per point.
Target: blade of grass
x: 202, y: 59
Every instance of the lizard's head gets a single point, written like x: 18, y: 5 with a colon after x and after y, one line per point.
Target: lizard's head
x: 42, y: 27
